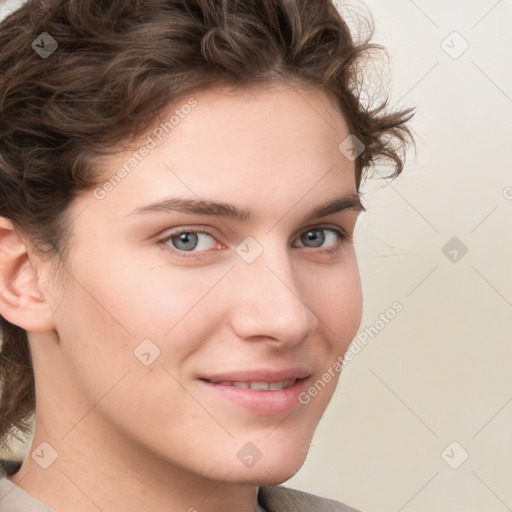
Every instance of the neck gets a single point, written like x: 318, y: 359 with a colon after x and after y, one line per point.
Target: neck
x: 94, y: 473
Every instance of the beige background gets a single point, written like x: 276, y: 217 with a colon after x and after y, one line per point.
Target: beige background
x: 440, y: 371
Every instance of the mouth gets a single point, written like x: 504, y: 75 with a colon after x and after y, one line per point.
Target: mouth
x: 263, y: 392
x: 259, y: 386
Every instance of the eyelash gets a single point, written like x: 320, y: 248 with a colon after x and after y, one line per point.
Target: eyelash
x: 343, y: 238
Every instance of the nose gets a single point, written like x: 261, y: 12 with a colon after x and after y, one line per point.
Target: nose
x: 268, y: 300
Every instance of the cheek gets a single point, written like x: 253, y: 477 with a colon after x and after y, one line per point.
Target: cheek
x: 350, y: 305
x: 112, y: 314
x: 338, y: 303
x: 94, y: 336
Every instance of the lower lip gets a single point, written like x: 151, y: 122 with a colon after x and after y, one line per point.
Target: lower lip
x: 260, y: 401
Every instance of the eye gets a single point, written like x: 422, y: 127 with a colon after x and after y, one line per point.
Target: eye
x: 186, y: 240
x: 315, y: 236
x: 189, y: 241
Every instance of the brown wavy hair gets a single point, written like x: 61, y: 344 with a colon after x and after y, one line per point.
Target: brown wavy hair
x: 117, y: 67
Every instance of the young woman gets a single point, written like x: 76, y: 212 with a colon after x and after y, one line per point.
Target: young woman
x: 179, y: 189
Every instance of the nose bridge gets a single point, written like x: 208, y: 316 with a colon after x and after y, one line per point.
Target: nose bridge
x: 269, y: 301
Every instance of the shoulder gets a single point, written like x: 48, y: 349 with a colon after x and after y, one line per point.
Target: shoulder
x: 274, y: 498
x: 12, y: 497
x: 277, y: 498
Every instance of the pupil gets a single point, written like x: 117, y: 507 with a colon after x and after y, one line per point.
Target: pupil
x: 320, y: 239
x: 185, y: 237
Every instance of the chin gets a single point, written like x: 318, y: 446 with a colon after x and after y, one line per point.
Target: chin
x: 273, y: 476
x: 270, y: 470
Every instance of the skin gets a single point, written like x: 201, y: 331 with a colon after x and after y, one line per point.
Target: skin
x: 170, y: 444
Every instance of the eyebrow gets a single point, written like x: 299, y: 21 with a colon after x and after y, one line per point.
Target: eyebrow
x: 230, y: 211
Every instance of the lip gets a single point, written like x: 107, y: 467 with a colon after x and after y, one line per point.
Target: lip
x: 261, y: 375
x: 262, y: 402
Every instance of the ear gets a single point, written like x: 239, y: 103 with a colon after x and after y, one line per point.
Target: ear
x: 22, y: 302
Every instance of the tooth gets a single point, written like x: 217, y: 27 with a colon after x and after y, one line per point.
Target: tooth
x: 259, y: 386
x: 289, y: 383
x: 241, y: 385
x: 262, y: 386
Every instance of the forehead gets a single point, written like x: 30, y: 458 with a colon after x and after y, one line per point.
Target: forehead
x: 250, y: 145
x: 260, y: 111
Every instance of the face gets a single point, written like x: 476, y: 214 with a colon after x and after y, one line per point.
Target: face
x: 167, y: 308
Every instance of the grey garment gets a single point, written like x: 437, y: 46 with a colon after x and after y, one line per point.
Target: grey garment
x: 259, y: 508
x: 277, y: 498
x: 270, y: 498
x: 15, y: 499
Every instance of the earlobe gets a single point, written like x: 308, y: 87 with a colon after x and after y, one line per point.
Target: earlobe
x: 22, y: 302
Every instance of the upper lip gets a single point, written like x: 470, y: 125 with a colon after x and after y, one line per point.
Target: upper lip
x: 259, y: 375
